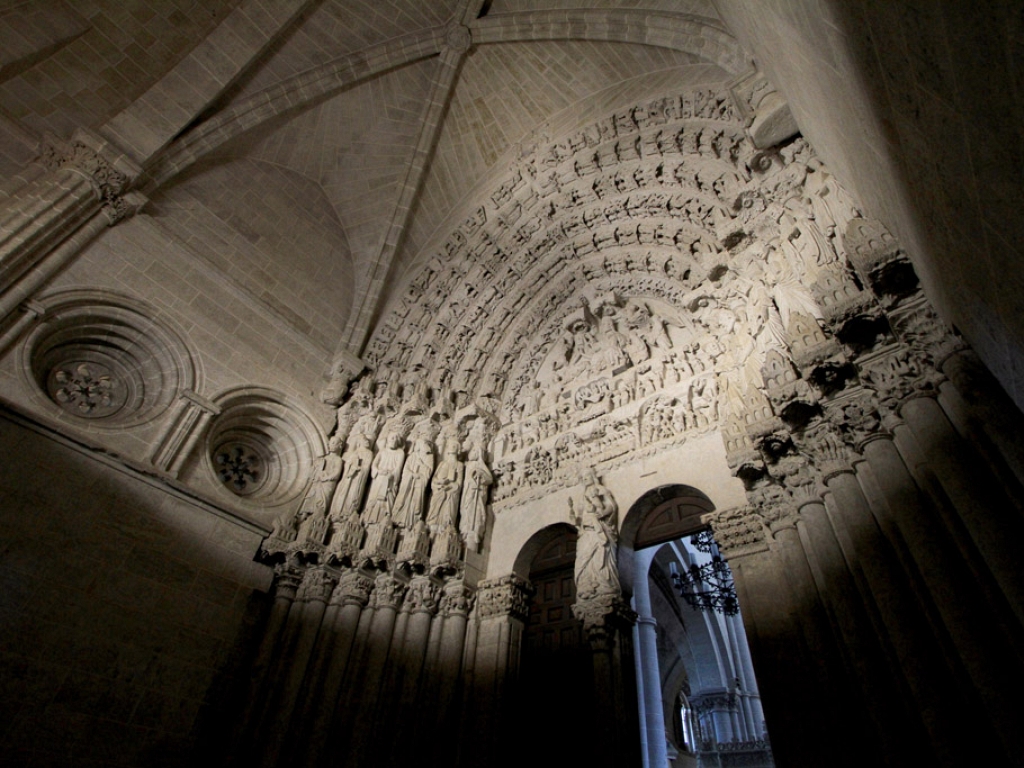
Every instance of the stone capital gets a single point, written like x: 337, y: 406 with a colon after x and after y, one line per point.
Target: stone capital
x: 738, y: 531
x: 505, y: 596
x: 457, y: 599
x: 353, y: 588
x: 317, y: 584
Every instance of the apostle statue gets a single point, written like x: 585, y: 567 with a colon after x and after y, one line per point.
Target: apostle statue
x: 445, y: 487
x: 419, y: 466
x: 386, y: 472
x: 313, y: 512
x: 473, y: 518
x: 349, y: 495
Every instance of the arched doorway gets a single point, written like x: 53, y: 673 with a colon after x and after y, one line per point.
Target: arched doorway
x: 556, y: 673
x: 687, y: 643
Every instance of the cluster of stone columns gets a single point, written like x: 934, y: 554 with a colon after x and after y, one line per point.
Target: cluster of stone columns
x: 356, y: 667
x: 875, y: 561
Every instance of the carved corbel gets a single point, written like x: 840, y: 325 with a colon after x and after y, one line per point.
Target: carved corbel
x: 344, y: 369
x: 769, y: 120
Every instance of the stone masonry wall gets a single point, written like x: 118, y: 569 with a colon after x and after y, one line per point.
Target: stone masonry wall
x: 124, y: 610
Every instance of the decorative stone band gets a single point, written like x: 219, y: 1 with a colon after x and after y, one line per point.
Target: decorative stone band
x: 505, y: 596
x: 457, y: 599
x: 739, y: 531
x: 422, y: 596
x: 318, y: 584
x: 710, y: 702
x: 353, y: 588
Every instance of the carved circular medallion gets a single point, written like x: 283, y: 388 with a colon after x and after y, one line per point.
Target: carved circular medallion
x: 106, y: 360
x: 89, y: 389
x: 241, y: 467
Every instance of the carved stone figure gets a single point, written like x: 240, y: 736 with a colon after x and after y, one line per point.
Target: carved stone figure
x: 312, y: 517
x: 349, y: 495
x: 473, y: 520
x: 444, y: 489
x: 594, y: 513
x: 386, y: 472
x: 419, y: 466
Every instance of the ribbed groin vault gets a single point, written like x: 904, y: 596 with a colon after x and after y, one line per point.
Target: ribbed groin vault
x: 356, y: 363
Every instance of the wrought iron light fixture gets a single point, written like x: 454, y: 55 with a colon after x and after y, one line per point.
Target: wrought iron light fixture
x: 707, y: 587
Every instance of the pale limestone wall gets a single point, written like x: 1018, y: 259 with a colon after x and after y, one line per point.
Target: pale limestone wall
x: 125, y: 609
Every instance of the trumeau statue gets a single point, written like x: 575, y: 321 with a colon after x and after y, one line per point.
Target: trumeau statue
x: 595, y: 514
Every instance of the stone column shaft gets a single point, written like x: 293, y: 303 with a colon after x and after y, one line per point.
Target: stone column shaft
x: 989, y: 517
x: 340, y: 631
x: 990, y: 651
x: 305, y: 622
x: 885, y: 590
x: 286, y: 584
x: 867, y: 663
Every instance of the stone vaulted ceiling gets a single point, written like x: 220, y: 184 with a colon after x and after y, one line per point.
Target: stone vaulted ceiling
x: 361, y: 129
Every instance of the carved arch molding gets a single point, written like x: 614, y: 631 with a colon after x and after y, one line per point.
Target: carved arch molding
x: 622, y: 290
